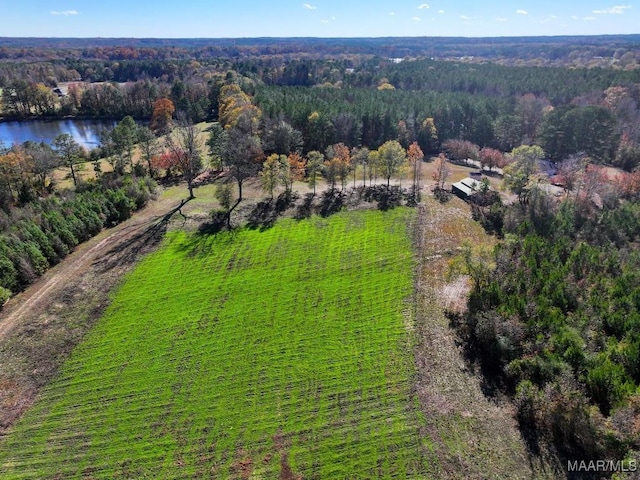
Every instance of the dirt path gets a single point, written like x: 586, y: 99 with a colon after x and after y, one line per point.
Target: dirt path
x: 41, y: 326
x: 473, y: 432
x: 42, y: 293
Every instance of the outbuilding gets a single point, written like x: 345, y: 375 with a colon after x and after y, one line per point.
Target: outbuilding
x: 465, y: 187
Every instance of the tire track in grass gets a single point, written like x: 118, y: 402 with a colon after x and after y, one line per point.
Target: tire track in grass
x: 221, y: 358
x: 474, y: 436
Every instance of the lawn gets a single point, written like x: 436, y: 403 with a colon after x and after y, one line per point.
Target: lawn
x: 251, y: 354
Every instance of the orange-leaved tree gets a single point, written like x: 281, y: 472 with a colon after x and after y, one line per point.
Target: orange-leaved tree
x: 163, y: 110
x: 415, y: 156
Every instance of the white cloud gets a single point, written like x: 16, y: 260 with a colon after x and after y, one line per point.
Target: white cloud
x: 574, y: 17
x: 441, y: 11
x: 308, y: 6
x: 64, y: 12
x: 617, y: 10
x: 416, y: 19
x: 324, y: 21
x: 392, y: 13
x: 522, y: 12
x: 464, y: 17
x: 501, y: 19
x: 588, y: 18
x: 423, y: 6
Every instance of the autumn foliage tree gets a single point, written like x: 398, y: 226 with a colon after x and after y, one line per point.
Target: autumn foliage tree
x: 415, y: 156
x: 235, y: 106
x: 270, y: 174
x: 338, y: 164
x: 491, y: 158
x: 163, y: 110
x: 186, y: 150
x: 391, y: 159
x: 628, y: 184
x: 16, y: 176
x: 461, y: 149
x: 428, y: 135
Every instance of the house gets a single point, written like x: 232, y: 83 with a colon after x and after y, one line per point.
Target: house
x: 465, y: 187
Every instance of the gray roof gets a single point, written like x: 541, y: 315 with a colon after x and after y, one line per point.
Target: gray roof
x: 467, y: 185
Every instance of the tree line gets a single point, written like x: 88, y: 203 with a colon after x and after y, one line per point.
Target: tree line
x: 367, y: 102
x: 554, y: 312
x: 605, y: 50
x: 43, y: 231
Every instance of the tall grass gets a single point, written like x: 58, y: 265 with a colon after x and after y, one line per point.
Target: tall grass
x: 246, y: 354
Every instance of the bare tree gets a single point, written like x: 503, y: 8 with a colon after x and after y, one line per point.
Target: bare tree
x: 242, y: 156
x: 186, y: 147
x: 442, y: 171
x: 148, y: 144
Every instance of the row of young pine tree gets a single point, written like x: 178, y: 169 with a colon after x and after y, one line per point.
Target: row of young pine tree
x: 40, y: 233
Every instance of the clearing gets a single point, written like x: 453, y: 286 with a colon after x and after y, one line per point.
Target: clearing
x: 245, y: 353
x: 173, y: 379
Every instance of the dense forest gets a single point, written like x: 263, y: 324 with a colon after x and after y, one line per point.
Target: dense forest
x: 553, y: 318
x: 603, y: 50
x: 358, y: 101
x: 554, y: 312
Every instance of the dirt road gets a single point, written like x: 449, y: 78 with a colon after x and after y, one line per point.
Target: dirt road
x: 40, y: 326
x: 39, y: 296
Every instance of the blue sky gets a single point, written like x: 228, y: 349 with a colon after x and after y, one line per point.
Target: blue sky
x: 318, y: 18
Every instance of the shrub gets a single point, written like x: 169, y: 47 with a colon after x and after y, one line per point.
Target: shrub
x: 5, y: 294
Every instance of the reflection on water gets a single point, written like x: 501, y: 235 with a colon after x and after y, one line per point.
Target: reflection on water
x: 85, y: 132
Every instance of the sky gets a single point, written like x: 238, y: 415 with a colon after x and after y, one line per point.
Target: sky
x: 314, y: 18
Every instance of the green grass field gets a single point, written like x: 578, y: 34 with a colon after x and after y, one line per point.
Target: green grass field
x: 249, y: 354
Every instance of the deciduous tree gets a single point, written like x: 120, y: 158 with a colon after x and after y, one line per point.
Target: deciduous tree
x: 186, y: 147
x: 491, y: 158
x: 361, y: 158
x: 428, y: 136
x: 270, y: 173
x: 524, y: 164
x: 415, y: 156
x: 339, y: 157
x: 69, y: 152
x: 441, y: 172
x: 315, y: 162
x: 242, y: 156
x: 44, y: 161
x: 163, y: 110
x: 461, y: 149
x: 392, y: 159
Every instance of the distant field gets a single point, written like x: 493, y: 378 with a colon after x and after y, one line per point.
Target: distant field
x: 246, y: 355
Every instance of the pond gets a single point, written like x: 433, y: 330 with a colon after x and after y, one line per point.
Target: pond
x: 85, y: 132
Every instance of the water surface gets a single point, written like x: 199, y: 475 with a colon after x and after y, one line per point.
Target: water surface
x: 85, y: 132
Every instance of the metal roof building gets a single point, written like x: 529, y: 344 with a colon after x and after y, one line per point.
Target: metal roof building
x: 465, y: 187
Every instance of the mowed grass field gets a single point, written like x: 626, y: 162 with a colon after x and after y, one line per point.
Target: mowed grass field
x: 284, y: 353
